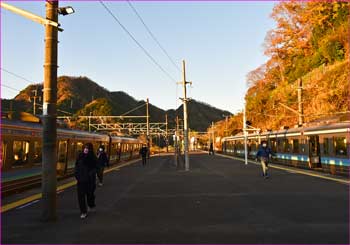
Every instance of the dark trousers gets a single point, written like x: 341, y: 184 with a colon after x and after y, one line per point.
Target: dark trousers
x: 86, y: 192
x: 100, y: 174
x: 143, y: 160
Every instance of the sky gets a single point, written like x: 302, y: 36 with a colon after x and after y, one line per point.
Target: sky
x: 221, y: 43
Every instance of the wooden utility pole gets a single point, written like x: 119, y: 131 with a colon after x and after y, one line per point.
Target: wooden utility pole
x: 49, y: 155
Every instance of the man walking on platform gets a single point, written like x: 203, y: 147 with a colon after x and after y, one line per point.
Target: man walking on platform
x: 144, y: 153
x: 264, y: 154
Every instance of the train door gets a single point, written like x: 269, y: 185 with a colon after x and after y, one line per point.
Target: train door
x: 62, y: 157
x: 3, y: 161
x: 314, y: 152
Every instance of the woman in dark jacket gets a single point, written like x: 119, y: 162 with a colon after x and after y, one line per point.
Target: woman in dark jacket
x: 85, y: 173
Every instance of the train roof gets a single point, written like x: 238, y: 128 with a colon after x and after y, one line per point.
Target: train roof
x: 5, y: 123
x: 306, y: 130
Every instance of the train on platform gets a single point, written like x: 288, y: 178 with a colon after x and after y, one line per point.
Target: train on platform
x: 321, y: 147
x: 21, y: 147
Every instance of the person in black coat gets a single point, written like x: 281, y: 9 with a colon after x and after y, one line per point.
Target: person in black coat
x: 143, y: 153
x: 102, y: 162
x: 85, y: 174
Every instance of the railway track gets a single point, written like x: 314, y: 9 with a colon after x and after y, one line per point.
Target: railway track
x: 17, y: 186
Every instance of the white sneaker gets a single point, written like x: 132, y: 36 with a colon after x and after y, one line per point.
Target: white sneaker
x: 100, y: 184
x: 83, y: 216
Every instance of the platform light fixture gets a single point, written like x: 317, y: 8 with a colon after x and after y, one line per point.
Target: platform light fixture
x: 66, y: 10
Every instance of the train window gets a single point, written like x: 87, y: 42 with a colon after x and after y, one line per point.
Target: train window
x: 37, y: 153
x: 62, y: 151
x: 273, y: 144
x: 280, y: 145
x: 326, y: 145
x: 3, y: 153
x: 72, y: 151
x: 340, y: 146
x: 79, y: 147
x: 303, y: 145
x: 20, y: 152
x: 295, y: 143
x: 286, y: 145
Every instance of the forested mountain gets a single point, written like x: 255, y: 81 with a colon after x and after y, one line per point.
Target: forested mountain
x: 311, y: 43
x: 82, y: 96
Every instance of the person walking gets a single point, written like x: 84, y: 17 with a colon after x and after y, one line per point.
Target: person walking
x: 211, y: 149
x: 102, y: 162
x: 85, y: 174
x: 263, y: 155
x: 144, y: 154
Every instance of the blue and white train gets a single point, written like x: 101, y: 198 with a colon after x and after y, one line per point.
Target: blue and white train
x: 323, y: 147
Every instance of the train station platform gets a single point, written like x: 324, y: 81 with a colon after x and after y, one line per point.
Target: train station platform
x: 220, y: 200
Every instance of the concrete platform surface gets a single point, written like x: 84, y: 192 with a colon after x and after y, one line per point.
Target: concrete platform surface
x: 220, y: 200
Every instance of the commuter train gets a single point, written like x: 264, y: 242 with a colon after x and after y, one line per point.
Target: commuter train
x: 322, y: 147
x: 21, y: 147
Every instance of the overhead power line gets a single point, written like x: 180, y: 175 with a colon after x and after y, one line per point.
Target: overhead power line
x: 14, y: 74
x: 6, y: 86
x: 138, y: 44
x: 153, y: 36
x: 133, y: 109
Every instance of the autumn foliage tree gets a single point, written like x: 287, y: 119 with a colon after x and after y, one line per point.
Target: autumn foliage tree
x: 310, y: 42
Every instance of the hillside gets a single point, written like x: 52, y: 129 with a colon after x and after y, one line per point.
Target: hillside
x: 310, y: 43
x: 75, y: 97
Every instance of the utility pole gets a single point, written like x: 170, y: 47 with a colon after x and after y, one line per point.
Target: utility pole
x: 184, y: 99
x: 166, y: 132
x: 300, y: 103
x: 212, y: 135
x: 34, y: 100
x: 176, y: 142
x: 90, y: 121
x: 245, y: 137
x: 49, y: 155
x: 147, y: 122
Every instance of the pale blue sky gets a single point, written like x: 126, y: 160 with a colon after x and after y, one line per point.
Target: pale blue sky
x: 220, y: 41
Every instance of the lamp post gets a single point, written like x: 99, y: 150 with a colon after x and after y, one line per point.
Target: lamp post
x: 49, y: 155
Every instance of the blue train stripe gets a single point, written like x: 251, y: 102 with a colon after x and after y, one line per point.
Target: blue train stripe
x: 303, y: 158
x: 335, y: 161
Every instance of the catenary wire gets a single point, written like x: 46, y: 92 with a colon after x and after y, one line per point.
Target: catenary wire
x: 138, y: 43
x: 153, y: 36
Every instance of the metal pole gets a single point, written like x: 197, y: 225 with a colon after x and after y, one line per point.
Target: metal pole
x: 34, y: 101
x: 90, y: 121
x: 29, y: 15
x: 176, y: 142
x: 49, y: 180
x: 147, y: 121
x: 245, y: 137
x: 300, y: 103
x: 212, y: 134
x: 187, y: 160
x: 166, y: 132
